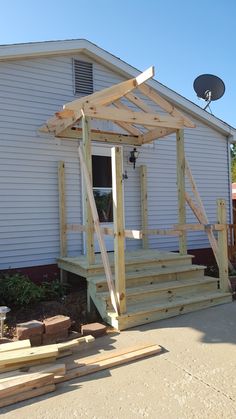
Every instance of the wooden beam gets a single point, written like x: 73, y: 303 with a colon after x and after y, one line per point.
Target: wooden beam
x: 199, y: 227
x: 130, y: 128
x: 193, y: 185
x: 109, y: 95
x: 118, y: 217
x: 104, y: 255
x: 139, y: 102
x: 131, y: 117
x: 87, y: 209
x: 62, y: 215
x: 62, y: 208
x: 199, y: 211
x: 180, y: 165
x: 108, y: 360
x: 203, y: 220
x: 144, y: 205
x: 164, y: 104
x: 156, y: 133
x: 82, y: 228
x: 223, y: 247
x: 101, y: 136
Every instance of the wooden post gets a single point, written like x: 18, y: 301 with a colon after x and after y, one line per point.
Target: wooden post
x: 118, y: 217
x: 62, y: 214
x: 180, y: 165
x: 104, y: 255
x: 223, y: 247
x: 144, y: 207
x: 87, y: 209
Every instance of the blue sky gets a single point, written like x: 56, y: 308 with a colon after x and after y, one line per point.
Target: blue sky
x: 181, y: 38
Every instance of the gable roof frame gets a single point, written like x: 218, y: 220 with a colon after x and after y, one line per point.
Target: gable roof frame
x: 97, y: 106
x: 58, y: 47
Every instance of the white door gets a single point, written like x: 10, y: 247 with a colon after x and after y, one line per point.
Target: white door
x: 102, y: 190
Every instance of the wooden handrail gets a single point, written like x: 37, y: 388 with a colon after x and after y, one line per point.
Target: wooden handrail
x: 139, y: 234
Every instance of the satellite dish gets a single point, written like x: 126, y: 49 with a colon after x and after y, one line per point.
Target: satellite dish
x: 209, y: 87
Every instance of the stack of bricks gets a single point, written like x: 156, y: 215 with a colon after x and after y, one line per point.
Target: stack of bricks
x: 51, y: 330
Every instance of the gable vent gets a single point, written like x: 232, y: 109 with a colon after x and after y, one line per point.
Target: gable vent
x: 83, y: 77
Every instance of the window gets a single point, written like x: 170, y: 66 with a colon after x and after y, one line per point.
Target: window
x: 83, y: 77
x: 102, y: 187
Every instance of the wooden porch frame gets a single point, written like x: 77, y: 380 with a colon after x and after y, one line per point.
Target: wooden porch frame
x: 142, y: 126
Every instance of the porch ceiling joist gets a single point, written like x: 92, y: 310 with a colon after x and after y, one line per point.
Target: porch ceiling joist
x: 142, y: 125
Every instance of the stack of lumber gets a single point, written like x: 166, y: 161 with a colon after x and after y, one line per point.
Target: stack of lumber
x: 27, y: 372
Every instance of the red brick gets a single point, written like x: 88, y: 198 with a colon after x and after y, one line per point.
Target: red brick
x: 28, y: 329
x: 36, y: 340
x: 56, y: 324
x: 94, y: 329
x: 55, y: 337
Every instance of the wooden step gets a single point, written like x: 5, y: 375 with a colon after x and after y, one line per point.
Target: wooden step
x: 142, y: 313
x: 136, y: 260
x: 150, y: 276
x: 164, y: 292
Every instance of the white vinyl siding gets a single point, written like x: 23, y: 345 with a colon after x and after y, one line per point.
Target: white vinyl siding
x: 30, y: 92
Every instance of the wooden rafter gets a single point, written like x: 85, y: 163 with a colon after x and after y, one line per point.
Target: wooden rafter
x: 138, y: 102
x: 164, y: 104
x: 110, y: 94
x: 142, y: 125
x: 149, y: 136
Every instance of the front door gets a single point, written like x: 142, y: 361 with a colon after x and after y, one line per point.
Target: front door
x: 102, y: 191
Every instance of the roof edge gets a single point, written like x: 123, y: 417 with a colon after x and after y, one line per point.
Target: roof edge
x: 46, y: 48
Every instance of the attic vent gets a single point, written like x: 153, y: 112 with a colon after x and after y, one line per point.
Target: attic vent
x: 83, y: 77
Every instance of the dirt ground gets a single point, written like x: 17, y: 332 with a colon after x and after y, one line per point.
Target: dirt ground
x: 195, y: 376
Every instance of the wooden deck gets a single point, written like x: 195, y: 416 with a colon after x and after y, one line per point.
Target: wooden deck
x: 158, y: 285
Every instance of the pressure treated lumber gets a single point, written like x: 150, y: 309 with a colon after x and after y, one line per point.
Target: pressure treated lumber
x: 155, y: 133
x: 164, y: 104
x: 101, y: 136
x: 14, y: 346
x: 62, y: 208
x: 74, y: 343
x: 6, y: 401
x: 144, y: 205
x: 59, y: 123
x: 180, y: 165
x: 87, y: 208
x: 24, y: 383
x: 130, y: 128
x: 132, y: 117
x: 223, y: 247
x: 25, y: 364
x: 113, y: 93
x: 100, y: 238
x: 110, y: 362
x: 52, y: 368
x: 118, y: 217
x: 94, y: 359
x: 31, y: 354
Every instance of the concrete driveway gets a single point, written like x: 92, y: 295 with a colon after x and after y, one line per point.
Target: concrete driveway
x: 195, y: 377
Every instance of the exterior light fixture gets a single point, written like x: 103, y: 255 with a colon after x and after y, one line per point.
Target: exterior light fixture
x: 133, y: 157
x: 3, y: 312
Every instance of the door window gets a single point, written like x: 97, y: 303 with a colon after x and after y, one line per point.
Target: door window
x: 102, y: 187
